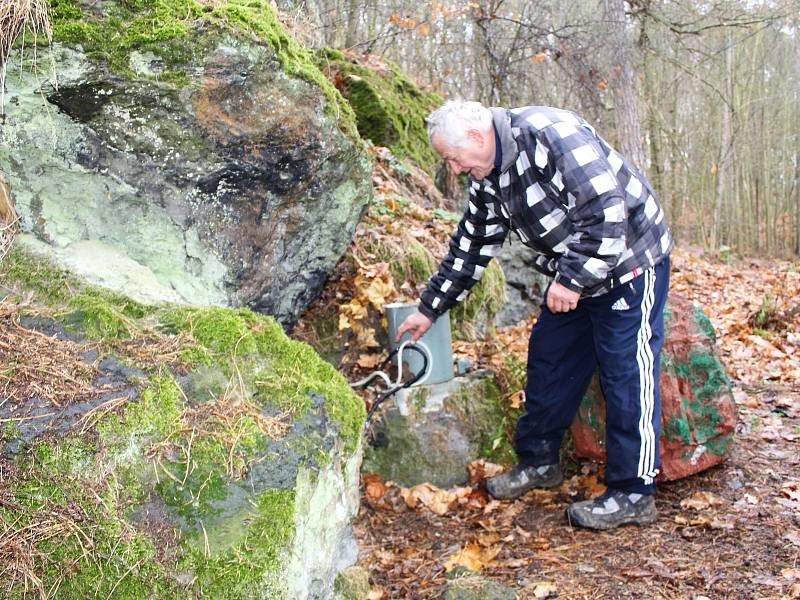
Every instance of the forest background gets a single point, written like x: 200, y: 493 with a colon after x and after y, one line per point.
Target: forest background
x: 705, y: 96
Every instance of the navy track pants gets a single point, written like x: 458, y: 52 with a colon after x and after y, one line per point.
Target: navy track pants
x: 621, y: 332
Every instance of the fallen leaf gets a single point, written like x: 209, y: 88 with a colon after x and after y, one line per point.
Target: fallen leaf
x: 545, y: 590
x: 790, y: 573
x: 793, y: 537
x: 472, y: 557
x: 702, y: 501
x: 368, y: 361
x: 374, y: 488
x: 791, y: 489
x: 482, y: 469
x: 433, y: 498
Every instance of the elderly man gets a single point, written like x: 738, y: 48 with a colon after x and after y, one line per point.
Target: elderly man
x: 598, y: 230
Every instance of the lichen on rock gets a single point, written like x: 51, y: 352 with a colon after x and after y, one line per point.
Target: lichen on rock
x: 196, y: 149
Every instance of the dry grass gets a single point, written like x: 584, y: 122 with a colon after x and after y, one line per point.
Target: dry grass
x: 18, y: 15
x: 18, y: 18
x: 34, y: 364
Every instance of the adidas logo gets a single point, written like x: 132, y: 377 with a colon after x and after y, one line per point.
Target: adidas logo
x: 620, y: 304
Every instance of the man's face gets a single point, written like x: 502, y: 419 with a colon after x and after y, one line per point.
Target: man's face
x: 476, y: 157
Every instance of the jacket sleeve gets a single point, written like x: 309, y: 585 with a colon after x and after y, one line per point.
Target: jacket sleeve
x: 477, y: 239
x: 595, y: 205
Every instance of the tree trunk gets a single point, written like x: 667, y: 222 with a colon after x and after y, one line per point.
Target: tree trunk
x: 724, y: 149
x: 351, y: 38
x: 623, y: 83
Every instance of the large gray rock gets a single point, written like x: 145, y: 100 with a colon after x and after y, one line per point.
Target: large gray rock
x: 432, y: 432
x: 525, y: 286
x: 202, y: 484
x: 234, y: 187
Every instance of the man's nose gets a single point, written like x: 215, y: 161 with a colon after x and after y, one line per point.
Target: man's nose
x: 455, y: 167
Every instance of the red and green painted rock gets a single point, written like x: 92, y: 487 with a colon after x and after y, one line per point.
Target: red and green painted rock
x: 698, y: 411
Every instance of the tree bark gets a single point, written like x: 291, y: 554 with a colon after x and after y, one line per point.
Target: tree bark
x: 623, y: 83
x: 724, y: 149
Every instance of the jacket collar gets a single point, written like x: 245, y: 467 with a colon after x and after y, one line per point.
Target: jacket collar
x: 502, y: 123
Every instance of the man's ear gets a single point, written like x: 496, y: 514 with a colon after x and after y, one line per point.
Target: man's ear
x: 476, y: 136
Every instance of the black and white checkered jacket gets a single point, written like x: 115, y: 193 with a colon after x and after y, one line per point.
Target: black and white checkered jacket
x: 591, y: 216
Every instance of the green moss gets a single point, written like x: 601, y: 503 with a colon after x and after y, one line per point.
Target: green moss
x: 162, y: 27
x: 238, y: 572
x: 390, y: 109
x: 485, y: 300
x: 223, y: 332
x: 22, y: 271
x: 199, y: 469
x: 93, y: 311
x: 168, y: 28
x: 284, y: 373
x: 78, y: 547
x: 70, y: 456
x: 152, y: 418
x: 259, y: 17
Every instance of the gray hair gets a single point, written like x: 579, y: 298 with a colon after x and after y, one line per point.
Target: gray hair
x: 452, y: 121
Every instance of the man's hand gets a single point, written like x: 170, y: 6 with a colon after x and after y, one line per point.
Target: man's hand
x: 417, y: 324
x: 561, y: 299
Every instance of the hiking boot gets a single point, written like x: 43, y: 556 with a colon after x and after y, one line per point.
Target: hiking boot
x: 612, y: 509
x: 521, y: 478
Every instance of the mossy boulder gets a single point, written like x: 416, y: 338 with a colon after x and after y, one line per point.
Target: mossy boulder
x: 698, y: 413
x: 168, y: 452
x: 432, y: 432
x: 191, y: 152
x: 390, y: 108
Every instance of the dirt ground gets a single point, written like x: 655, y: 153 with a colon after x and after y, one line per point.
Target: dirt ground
x: 737, y: 534
x: 730, y: 532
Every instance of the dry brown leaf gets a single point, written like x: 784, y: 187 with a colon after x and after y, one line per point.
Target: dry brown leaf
x: 482, y: 469
x: 368, y: 361
x: 793, y: 537
x: 790, y: 573
x: 702, y: 501
x: 545, y: 590
x: 374, y: 487
x: 473, y: 557
x: 518, y: 399
x: 791, y: 489
x: 437, y: 500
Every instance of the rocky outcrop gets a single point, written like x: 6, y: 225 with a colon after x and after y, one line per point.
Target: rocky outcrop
x: 167, y: 452
x: 196, y: 157
x: 698, y: 411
